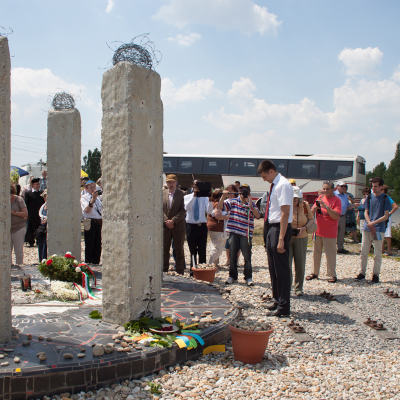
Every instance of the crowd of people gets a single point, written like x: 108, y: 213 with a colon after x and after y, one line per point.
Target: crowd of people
x: 227, y: 217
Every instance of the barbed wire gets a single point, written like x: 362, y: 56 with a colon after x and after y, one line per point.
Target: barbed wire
x: 143, y: 53
x: 63, y: 101
x: 5, y: 33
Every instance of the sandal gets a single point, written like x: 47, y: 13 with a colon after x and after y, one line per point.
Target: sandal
x: 332, y: 280
x: 387, y: 254
x: 311, y: 277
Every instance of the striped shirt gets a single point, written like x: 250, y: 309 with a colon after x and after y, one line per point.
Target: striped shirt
x: 241, y: 219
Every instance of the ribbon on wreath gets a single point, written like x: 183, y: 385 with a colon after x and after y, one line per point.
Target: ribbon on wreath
x: 76, y: 286
x: 86, y: 286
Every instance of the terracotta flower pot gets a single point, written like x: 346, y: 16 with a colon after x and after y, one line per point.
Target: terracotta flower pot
x: 204, y: 274
x: 249, y: 346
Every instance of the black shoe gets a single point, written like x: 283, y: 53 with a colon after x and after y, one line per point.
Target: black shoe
x: 360, y: 277
x: 375, y: 279
x: 279, y: 314
x: 272, y: 307
x: 343, y: 251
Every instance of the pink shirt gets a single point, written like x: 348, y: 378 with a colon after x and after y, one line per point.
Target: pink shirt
x: 327, y: 226
x: 171, y: 197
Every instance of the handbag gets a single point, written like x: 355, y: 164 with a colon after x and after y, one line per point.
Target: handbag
x: 313, y: 227
x: 87, y: 223
x: 41, y: 231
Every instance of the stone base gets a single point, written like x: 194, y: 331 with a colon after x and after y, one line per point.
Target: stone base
x: 32, y: 379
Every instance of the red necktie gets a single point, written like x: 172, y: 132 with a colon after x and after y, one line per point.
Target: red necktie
x: 267, y: 207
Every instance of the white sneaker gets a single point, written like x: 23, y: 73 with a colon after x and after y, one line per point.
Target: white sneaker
x: 230, y: 280
x: 250, y: 282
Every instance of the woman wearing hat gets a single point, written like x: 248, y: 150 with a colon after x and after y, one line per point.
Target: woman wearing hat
x: 302, y: 218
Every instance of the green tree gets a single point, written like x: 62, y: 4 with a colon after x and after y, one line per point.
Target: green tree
x: 379, y: 170
x: 392, y: 176
x: 92, y: 164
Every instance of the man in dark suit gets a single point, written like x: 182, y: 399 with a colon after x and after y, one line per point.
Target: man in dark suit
x: 174, y: 223
x: 33, y: 201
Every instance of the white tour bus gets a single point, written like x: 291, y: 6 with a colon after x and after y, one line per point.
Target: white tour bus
x: 309, y: 171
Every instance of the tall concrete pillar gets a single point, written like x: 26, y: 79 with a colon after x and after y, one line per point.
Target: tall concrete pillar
x: 64, y: 182
x: 5, y: 210
x: 131, y: 161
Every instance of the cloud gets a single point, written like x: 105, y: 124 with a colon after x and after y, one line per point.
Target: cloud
x: 361, y: 61
x: 227, y: 15
x: 192, y: 91
x: 110, y: 6
x: 40, y: 82
x: 396, y: 75
x: 185, y: 40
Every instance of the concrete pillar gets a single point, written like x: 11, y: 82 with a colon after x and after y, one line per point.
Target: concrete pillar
x: 64, y: 182
x: 5, y: 211
x: 131, y: 161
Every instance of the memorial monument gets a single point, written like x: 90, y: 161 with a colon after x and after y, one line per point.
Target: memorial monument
x: 5, y: 214
x: 132, y: 150
x: 64, y: 180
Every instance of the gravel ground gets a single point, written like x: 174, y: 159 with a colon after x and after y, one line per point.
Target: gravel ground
x: 346, y: 360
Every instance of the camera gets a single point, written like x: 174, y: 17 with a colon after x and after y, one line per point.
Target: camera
x: 204, y: 189
x: 245, y: 193
x: 318, y: 203
x: 99, y: 192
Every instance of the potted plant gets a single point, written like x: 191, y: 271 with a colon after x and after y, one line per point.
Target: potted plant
x: 249, y: 340
x: 204, y: 272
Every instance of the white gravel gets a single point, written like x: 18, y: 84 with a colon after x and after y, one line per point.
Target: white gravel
x: 346, y: 360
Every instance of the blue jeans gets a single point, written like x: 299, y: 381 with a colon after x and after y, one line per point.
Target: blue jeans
x: 236, y: 243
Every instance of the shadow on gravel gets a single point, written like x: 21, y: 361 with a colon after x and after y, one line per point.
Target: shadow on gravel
x: 328, y: 318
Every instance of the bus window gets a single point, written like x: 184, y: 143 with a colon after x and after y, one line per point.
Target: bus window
x: 218, y: 166
x: 243, y: 167
x: 361, y: 168
x: 170, y: 164
x: 303, y: 169
x: 281, y: 166
x: 190, y: 165
x: 335, y: 169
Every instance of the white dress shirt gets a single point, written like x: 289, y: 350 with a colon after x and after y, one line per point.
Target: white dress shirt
x: 96, y: 211
x: 205, y: 206
x: 281, y: 195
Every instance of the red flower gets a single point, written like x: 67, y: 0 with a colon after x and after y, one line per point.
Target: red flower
x: 69, y: 256
x: 48, y: 262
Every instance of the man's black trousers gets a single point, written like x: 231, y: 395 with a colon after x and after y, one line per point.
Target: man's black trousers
x: 278, y: 264
x: 197, y: 241
x: 93, y: 242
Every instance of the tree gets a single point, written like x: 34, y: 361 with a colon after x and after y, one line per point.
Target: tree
x: 392, y: 175
x: 92, y: 164
x: 379, y: 170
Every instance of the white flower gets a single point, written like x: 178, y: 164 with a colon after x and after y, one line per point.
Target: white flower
x: 77, y: 269
x: 54, y: 255
x: 68, y: 252
x: 76, y: 262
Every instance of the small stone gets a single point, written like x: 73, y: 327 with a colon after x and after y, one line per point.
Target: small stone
x: 113, y: 337
x: 124, y: 344
x: 98, y: 350
x: 328, y: 351
x: 8, y: 350
x: 61, y: 347
x: 290, y: 341
x: 42, y: 357
x: 82, y: 349
x: 78, y: 325
x: 117, y: 341
x: 29, y: 336
x: 17, y: 359
x: 1, y: 355
x: 49, y: 339
x: 191, y: 313
x: 65, y: 395
x: 162, y: 372
x: 68, y: 355
x: 26, y: 343
x: 41, y: 337
x: 302, y: 388
x: 325, y: 337
x: 4, y: 364
x: 108, y: 349
x: 41, y: 352
x: 81, y: 355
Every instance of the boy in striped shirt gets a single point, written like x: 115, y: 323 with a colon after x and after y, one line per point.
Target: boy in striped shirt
x: 240, y: 226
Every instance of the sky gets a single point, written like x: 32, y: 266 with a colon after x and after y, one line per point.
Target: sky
x: 239, y: 77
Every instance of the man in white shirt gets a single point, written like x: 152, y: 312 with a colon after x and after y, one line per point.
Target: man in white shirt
x: 92, y: 210
x: 277, y: 234
x: 196, y: 224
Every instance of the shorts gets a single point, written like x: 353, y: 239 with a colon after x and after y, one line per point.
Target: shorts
x: 388, y: 231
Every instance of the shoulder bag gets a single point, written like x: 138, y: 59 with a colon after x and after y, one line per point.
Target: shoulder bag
x: 311, y: 228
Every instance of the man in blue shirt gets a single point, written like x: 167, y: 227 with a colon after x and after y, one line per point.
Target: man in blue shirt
x: 346, y: 205
x: 377, y: 207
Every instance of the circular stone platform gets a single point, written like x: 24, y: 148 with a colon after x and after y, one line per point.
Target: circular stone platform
x: 70, y: 328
